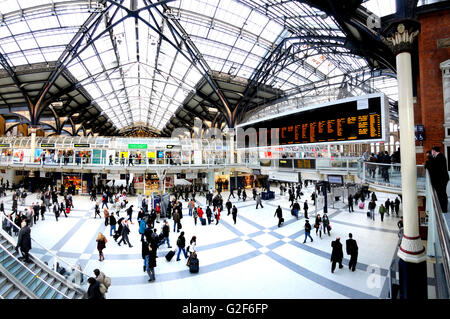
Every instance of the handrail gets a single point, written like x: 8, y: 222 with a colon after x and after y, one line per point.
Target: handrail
x: 59, y: 259
x: 442, y: 232
x: 35, y: 275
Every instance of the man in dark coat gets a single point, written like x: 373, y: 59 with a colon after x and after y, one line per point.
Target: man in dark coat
x: 234, y: 214
x: 24, y: 241
x: 279, y: 214
x: 350, y: 203
x: 94, y: 289
x: 336, y: 254
x: 352, y: 249
x: 229, y: 206
x: 125, y: 232
x: 437, y: 169
x: 151, y: 263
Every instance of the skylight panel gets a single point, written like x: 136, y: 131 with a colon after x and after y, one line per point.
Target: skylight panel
x: 17, y: 59
x: 4, y: 32
x: 9, y: 6
x: 8, y: 47
x: 34, y: 56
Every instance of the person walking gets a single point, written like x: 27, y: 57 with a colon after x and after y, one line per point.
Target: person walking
x: 397, y: 206
x: 258, y: 201
x: 231, y: 193
x: 106, y: 215
x: 352, y: 249
x: 176, y: 220
x: 228, y: 205
x: 372, y: 206
x: 101, y: 244
x: 55, y: 212
x: 24, y: 241
x: 165, y: 234
x: 318, y: 225
x: 208, y: 214
x: 217, y: 215
x: 387, y: 205
x: 305, y: 208
x: 326, y: 224
x: 181, y: 243
x: 336, y: 254
x: 130, y: 213
x: 382, y: 210
x: 112, y: 224
x: 234, y: 213
x: 279, y: 215
x: 97, y: 211
x: 150, y: 263
x: 195, y: 214
x: 191, y: 206
x: 244, y: 195
x: 125, y: 232
x: 350, y: 203
x: 307, y: 231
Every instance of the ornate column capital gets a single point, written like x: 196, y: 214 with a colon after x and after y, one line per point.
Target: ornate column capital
x: 400, y: 35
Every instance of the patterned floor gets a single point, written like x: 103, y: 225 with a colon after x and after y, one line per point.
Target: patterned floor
x: 252, y: 259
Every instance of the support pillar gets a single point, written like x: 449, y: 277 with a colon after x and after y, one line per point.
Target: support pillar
x: 32, y: 143
x: 230, y: 144
x: 412, y: 264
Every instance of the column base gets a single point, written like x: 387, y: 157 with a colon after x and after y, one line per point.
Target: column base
x: 413, y: 280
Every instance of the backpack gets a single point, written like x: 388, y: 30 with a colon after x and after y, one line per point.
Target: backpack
x: 107, y: 282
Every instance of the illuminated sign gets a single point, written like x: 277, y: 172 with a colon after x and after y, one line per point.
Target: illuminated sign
x: 5, y: 145
x: 355, y: 119
x: 82, y: 145
x: 49, y: 145
x: 137, y: 146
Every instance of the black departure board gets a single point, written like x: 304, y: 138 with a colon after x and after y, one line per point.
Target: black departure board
x: 354, y: 120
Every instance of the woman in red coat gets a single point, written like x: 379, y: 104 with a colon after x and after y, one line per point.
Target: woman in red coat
x: 217, y: 215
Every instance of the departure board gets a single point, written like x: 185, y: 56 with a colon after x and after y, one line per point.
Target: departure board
x: 350, y: 120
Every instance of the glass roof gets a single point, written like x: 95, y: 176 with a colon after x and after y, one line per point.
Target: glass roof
x: 138, y: 70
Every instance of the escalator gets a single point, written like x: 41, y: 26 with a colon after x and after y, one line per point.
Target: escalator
x: 33, y: 280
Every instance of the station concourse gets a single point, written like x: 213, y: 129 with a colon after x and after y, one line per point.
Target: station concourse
x: 324, y: 114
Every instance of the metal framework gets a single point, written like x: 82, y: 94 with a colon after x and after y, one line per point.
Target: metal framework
x: 114, y: 67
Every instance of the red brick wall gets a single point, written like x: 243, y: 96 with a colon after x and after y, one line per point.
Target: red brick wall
x: 430, y: 101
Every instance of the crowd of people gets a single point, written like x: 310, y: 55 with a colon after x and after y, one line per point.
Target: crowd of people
x: 115, y: 201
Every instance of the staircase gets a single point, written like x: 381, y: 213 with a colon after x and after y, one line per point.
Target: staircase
x: 35, y: 280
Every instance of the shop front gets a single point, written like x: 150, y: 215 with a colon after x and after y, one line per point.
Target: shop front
x: 72, y: 182
x: 152, y: 184
x: 222, y: 182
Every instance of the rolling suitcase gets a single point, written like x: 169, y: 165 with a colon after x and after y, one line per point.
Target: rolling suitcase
x: 170, y: 255
x: 193, y: 264
x: 203, y: 221
x: 368, y: 214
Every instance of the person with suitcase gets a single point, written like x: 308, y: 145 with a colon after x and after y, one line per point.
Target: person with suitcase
x: 181, y: 243
x: 208, y: 214
x: 193, y: 263
x: 279, y: 215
